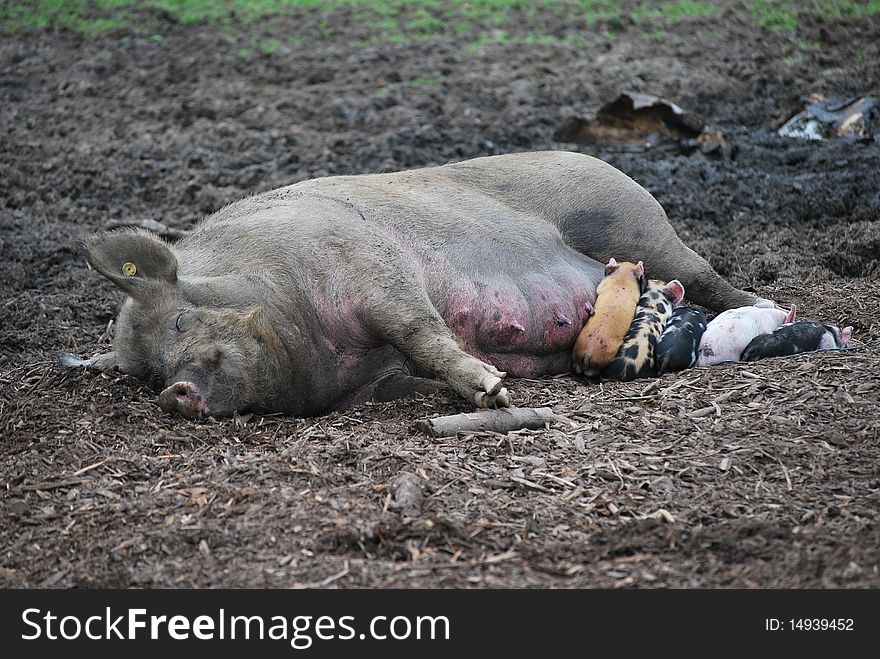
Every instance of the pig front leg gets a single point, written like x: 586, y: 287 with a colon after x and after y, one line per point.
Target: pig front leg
x: 104, y: 362
x: 436, y: 350
x: 425, y: 340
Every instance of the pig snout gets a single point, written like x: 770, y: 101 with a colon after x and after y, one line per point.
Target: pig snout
x: 183, y: 397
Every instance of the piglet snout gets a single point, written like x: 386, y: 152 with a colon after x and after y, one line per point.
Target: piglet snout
x: 184, y: 397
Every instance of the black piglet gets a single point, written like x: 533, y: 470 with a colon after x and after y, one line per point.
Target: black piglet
x: 678, y: 345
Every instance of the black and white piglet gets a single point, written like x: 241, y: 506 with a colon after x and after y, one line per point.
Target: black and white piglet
x: 793, y: 338
x: 635, y: 359
x: 677, y: 348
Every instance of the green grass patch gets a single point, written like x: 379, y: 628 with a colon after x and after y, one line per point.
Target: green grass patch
x: 685, y: 9
x: 426, y: 82
x: 672, y: 11
x: 541, y: 39
x: 495, y: 37
x: 599, y: 10
x: 268, y: 46
x: 784, y: 15
x: 773, y: 16
x: 54, y: 14
x: 474, y: 22
x: 576, y: 39
x: 410, y: 18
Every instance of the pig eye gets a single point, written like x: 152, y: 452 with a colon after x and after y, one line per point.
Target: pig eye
x: 177, y: 322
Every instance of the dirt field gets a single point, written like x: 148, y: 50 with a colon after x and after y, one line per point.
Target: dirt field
x: 765, y: 475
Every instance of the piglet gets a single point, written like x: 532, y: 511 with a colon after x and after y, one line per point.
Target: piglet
x: 635, y: 359
x: 728, y: 334
x: 678, y: 345
x: 793, y: 338
x: 616, y: 299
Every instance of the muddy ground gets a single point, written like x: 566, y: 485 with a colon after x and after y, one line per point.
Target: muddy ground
x: 765, y: 475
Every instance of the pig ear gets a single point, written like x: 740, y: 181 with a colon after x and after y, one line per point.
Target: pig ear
x: 845, y: 336
x: 131, y: 258
x: 611, y: 267
x: 640, y: 269
x: 790, y: 317
x: 675, y: 292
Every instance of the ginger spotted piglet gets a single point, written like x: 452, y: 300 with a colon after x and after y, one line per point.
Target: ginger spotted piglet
x: 635, y: 359
x: 616, y: 299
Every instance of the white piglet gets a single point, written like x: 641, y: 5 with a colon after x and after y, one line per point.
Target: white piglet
x: 728, y: 334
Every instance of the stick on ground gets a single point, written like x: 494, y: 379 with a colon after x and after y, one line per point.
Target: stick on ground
x: 502, y: 421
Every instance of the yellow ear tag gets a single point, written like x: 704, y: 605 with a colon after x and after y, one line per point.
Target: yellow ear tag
x: 129, y: 269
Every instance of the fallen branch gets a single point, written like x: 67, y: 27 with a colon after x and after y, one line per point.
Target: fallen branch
x: 501, y: 421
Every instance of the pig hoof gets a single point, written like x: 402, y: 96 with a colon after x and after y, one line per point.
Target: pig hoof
x: 494, y: 371
x: 500, y: 399
x: 491, y: 385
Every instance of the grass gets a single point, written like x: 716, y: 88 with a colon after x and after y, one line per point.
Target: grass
x: 475, y: 22
x: 672, y: 11
x: 426, y: 82
x: 784, y: 15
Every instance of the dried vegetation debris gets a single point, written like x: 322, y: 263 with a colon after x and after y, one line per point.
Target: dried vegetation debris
x: 707, y: 477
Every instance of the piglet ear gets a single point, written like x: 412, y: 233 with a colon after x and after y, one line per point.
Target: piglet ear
x: 641, y: 278
x: 790, y: 317
x: 131, y: 258
x: 845, y: 336
x: 611, y: 267
x: 674, y: 290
